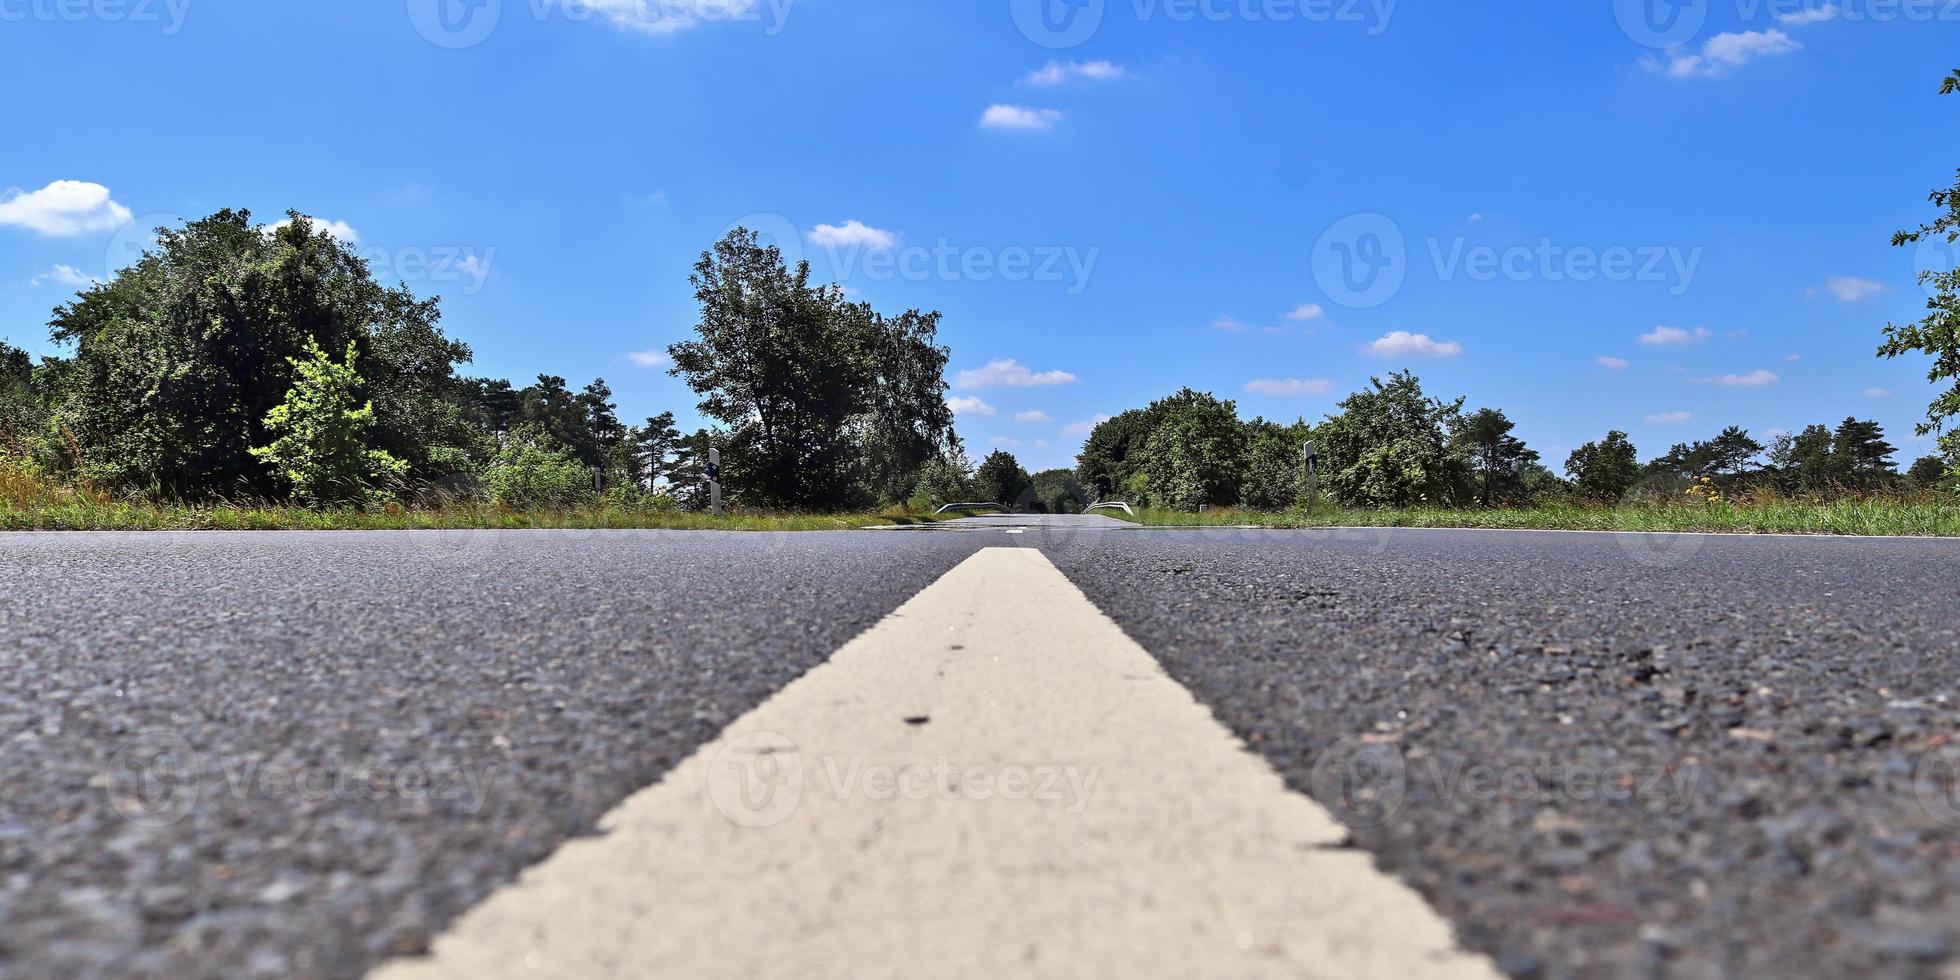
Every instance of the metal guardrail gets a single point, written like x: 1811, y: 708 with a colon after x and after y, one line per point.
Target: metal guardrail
x: 1112, y: 505
x: 1003, y: 508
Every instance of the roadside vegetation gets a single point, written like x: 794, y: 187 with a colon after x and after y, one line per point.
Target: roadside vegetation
x: 248, y: 376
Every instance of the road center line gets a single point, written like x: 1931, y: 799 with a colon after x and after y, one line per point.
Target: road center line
x: 995, y: 780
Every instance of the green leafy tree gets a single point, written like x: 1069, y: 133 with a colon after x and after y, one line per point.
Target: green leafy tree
x: 1863, y: 455
x: 23, y: 412
x: 1196, y: 456
x: 1497, y: 457
x: 1001, y: 479
x: 533, y: 469
x: 1727, y: 455
x: 319, y: 445
x: 180, y: 359
x: 1113, y: 452
x: 1604, y: 471
x: 1056, y: 492
x: 1390, y: 446
x: 1806, y: 462
x: 1275, y: 464
x: 1927, y: 473
x: 654, y: 444
x: 828, y: 403
x: 1938, y: 334
x: 945, y: 480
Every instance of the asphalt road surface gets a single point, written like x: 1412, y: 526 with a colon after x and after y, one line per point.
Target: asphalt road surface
x: 1541, y: 754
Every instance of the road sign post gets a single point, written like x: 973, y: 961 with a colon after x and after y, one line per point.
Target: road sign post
x: 714, y: 481
x: 1313, y: 475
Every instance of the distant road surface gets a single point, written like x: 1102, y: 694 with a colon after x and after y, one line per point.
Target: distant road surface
x: 1472, y: 754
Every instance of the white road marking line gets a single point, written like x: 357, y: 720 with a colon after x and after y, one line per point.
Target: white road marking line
x: 994, y: 781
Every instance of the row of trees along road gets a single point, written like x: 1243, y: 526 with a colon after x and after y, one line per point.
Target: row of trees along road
x: 1392, y: 445
x: 239, y: 361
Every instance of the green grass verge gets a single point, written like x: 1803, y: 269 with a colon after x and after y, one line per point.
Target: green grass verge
x: 1853, y: 517
x: 138, y: 516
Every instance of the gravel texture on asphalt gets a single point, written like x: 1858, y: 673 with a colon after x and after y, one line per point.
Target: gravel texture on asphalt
x: 294, y: 755
x: 1600, y: 755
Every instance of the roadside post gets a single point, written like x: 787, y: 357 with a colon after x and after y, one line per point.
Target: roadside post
x: 1313, y: 474
x: 714, y: 481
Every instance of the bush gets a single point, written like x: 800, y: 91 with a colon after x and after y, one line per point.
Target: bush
x: 319, y: 445
x: 1196, y: 456
x: 532, y: 470
x: 1391, y: 446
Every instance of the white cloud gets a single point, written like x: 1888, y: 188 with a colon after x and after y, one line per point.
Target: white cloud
x: 339, y: 231
x: 1289, y: 387
x: 1005, y: 442
x: 1307, y: 311
x: 1848, y: 289
x: 1057, y: 72
x: 1878, y: 393
x: 1031, y: 417
x: 649, y: 358
x: 1670, y: 418
x: 1010, y: 374
x: 852, y: 234
x: 1041, y: 444
x: 1019, y: 117
x: 667, y: 16
x: 1084, y: 428
x: 1670, y: 336
x: 1725, y: 51
x: 1793, y: 358
x: 65, y: 275
x: 1228, y: 325
x: 63, y: 208
x: 477, y: 266
x: 971, y: 406
x: 1401, y: 343
x: 1814, y: 15
x: 1754, y: 379
x: 1613, y: 363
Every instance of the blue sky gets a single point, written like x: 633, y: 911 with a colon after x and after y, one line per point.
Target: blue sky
x: 1125, y: 197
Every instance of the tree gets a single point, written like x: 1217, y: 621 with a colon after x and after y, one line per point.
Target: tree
x: 320, y: 443
x: 1728, y: 454
x: 1056, y: 492
x: 1805, y: 461
x: 829, y: 403
x: 1863, y: 455
x: 1927, y: 473
x: 1497, y: 457
x: 1001, y: 479
x: 1604, y: 471
x: 1195, y: 457
x: 1390, y: 446
x: 23, y: 412
x: 181, y: 358
x: 1938, y: 334
x: 1275, y: 464
x: 654, y: 444
x: 946, y: 480
x: 1113, y: 452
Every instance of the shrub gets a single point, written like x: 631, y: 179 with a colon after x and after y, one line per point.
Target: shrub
x: 532, y: 470
x: 319, y: 445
